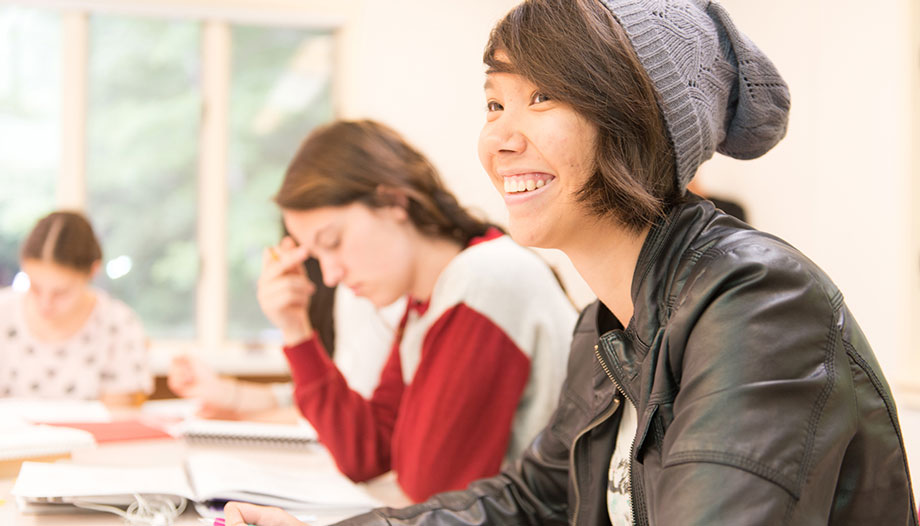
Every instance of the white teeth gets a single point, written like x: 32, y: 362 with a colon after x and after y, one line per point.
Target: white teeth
x: 513, y: 186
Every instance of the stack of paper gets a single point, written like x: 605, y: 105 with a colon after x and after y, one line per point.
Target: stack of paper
x: 22, y: 441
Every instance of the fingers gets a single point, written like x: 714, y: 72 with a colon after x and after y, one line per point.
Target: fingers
x: 286, y: 291
x: 181, y: 360
x: 241, y: 514
x: 180, y: 376
x: 189, y: 377
x: 288, y: 243
x: 284, y: 258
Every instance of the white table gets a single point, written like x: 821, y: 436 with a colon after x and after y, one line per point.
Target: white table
x: 166, y: 451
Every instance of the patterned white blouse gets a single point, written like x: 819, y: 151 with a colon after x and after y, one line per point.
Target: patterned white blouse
x: 108, y: 355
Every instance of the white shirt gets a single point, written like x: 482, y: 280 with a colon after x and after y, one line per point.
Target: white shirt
x: 108, y: 355
x: 619, y: 500
x: 363, y: 337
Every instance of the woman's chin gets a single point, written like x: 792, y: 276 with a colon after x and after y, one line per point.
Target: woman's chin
x: 526, y: 233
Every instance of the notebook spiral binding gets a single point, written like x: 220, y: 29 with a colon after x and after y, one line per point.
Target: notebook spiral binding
x: 248, y: 434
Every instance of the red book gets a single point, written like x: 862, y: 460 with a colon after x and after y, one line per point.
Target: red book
x: 117, y: 431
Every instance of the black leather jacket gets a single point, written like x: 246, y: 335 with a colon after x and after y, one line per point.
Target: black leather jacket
x: 759, y: 400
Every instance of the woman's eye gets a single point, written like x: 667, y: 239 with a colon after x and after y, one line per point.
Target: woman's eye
x: 538, y: 97
x: 493, y: 106
x: 329, y: 243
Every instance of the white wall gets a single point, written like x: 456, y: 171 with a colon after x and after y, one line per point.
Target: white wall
x: 914, y: 264
x: 840, y: 186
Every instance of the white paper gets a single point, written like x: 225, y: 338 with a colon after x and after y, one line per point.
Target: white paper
x: 51, y: 410
x: 44, y: 480
x: 216, y: 476
x: 211, y: 476
x: 21, y: 440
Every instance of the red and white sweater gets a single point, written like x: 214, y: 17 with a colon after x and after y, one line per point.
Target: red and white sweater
x: 473, y: 375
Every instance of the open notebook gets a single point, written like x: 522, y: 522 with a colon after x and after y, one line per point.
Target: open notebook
x: 207, y: 479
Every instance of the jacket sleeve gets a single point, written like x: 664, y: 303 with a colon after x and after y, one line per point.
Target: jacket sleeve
x: 758, y: 429
x: 532, y: 490
x: 357, y: 431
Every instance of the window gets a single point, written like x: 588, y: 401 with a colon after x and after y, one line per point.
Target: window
x: 142, y: 159
x: 29, y: 124
x: 280, y: 89
x: 185, y: 127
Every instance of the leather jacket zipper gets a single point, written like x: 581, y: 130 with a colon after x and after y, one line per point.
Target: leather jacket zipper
x: 632, y: 445
x: 598, y: 421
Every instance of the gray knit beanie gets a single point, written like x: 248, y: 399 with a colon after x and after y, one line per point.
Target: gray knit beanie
x: 717, y: 91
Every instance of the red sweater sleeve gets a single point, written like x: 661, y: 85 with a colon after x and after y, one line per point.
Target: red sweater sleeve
x: 357, y: 432
x: 449, y: 427
x: 456, y: 415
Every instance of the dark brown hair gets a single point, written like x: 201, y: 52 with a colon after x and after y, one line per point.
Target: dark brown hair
x: 366, y: 162
x: 64, y: 238
x: 575, y: 52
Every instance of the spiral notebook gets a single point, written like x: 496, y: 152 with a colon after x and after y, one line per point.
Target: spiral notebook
x: 236, y: 432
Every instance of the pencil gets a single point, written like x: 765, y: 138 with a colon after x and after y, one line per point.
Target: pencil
x: 273, y: 252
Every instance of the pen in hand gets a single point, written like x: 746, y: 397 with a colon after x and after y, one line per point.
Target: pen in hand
x: 219, y: 521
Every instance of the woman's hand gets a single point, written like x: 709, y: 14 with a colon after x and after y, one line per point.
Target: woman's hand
x: 219, y: 396
x: 284, y: 290
x: 241, y: 514
x: 191, y: 378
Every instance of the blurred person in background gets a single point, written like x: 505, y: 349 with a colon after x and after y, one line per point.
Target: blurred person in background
x: 62, y: 337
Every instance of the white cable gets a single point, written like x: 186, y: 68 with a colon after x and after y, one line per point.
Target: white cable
x: 153, y: 510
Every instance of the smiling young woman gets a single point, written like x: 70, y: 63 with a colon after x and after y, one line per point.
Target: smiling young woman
x: 720, y: 377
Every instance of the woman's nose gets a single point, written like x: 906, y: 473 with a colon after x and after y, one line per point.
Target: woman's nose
x: 503, y: 135
x: 332, y: 271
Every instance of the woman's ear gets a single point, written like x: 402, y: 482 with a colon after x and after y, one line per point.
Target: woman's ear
x: 394, y: 198
x: 94, y: 269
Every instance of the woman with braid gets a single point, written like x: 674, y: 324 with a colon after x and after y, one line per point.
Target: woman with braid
x: 476, y: 365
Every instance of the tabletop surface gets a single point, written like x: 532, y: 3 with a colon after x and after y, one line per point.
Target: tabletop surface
x: 171, y: 451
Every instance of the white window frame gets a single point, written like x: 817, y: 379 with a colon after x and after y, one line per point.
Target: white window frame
x: 231, y: 357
